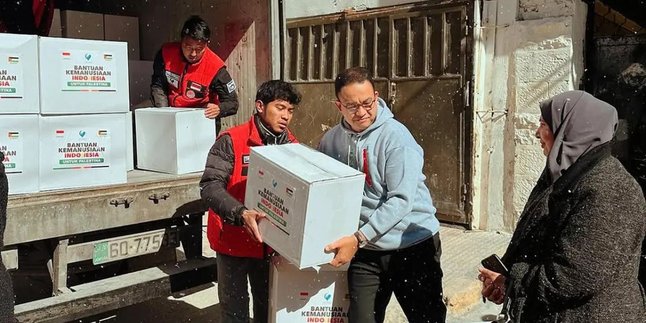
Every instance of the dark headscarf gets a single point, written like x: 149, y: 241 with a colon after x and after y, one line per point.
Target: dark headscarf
x: 579, y: 122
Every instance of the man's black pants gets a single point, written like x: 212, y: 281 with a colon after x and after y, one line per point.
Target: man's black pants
x: 413, y: 274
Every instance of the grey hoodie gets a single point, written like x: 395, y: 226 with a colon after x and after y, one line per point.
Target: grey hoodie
x: 397, y: 210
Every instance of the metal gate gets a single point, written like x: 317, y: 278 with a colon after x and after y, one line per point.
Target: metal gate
x: 418, y: 57
x: 620, y: 79
x: 617, y: 75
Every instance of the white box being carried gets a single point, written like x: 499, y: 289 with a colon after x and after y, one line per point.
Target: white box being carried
x: 83, y: 76
x: 310, y: 200
x: 18, y: 139
x: 306, y: 295
x: 173, y: 140
x: 82, y: 150
x: 18, y: 74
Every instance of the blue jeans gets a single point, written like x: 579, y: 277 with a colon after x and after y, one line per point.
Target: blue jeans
x: 413, y: 274
x: 232, y: 288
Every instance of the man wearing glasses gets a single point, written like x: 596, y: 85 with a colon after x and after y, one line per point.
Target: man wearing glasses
x: 189, y: 74
x: 396, y: 248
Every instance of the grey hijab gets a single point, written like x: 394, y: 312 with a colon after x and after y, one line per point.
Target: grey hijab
x: 579, y: 122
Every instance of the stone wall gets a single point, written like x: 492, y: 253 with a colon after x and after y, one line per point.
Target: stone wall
x: 528, y: 50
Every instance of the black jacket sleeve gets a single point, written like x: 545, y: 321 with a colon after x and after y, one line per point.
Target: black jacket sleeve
x: 224, y: 86
x: 159, y: 83
x: 213, y: 185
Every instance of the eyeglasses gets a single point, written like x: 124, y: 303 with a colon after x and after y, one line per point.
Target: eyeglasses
x: 354, y: 107
x: 196, y: 49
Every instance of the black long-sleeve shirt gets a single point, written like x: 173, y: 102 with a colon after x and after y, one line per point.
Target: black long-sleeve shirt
x: 159, y: 88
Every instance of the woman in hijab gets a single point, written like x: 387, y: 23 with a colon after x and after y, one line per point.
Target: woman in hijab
x: 574, y: 255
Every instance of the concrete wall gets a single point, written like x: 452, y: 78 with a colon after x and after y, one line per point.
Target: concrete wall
x: 525, y: 52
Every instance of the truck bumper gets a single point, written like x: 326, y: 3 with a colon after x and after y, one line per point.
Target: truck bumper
x: 119, y: 291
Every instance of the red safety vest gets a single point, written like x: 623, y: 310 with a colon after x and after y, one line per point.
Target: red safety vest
x: 188, y: 84
x: 229, y: 239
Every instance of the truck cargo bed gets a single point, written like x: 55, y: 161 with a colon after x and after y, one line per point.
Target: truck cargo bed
x: 147, y: 196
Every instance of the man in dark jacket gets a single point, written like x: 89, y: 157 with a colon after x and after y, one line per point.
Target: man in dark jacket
x: 6, y: 291
x: 189, y: 74
x: 232, y: 229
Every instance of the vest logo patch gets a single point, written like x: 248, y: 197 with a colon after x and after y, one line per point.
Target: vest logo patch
x: 245, y: 159
x: 173, y: 79
x: 231, y: 86
x: 195, y: 86
x: 195, y: 90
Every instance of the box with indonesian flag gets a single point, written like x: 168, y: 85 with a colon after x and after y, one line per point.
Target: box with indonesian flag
x: 82, y: 150
x: 83, y: 76
x: 18, y: 137
x: 18, y: 74
x: 310, y: 200
x: 307, y: 295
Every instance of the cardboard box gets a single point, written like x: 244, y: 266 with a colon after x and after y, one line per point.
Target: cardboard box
x: 82, y: 150
x: 130, y: 142
x: 123, y: 28
x: 82, y: 25
x: 139, y: 73
x: 18, y: 74
x: 307, y: 295
x: 83, y: 76
x: 173, y: 140
x: 56, y: 29
x: 18, y: 137
x: 310, y: 200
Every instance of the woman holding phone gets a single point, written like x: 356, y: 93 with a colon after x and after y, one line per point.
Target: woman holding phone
x: 574, y: 255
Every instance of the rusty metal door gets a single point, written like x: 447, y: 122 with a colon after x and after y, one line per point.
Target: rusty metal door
x: 619, y: 78
x: 418, y: 57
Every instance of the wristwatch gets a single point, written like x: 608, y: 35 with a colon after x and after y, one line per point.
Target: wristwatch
x: 361, y: 239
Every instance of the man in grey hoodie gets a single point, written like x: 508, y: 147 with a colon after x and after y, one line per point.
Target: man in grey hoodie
x: 396, y: 248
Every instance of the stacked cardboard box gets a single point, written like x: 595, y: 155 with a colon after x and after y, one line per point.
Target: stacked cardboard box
x: 96, y: 26
x: 82, y: 150
x: 19, y: 106
x: 310, y: 200
x: 68, y: 97
x: 307, y: 295
x: 123, y: 28
x: 84, y: 112
x: 82, y: 25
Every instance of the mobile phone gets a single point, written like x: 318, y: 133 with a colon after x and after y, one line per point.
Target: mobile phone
x: 494, y: 263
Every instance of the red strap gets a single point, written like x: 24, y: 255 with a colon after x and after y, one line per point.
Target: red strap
x: 366, y: 170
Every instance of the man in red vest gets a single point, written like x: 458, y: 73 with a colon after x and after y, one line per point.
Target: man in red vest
x: 189, y: 74
x: 232, y: 229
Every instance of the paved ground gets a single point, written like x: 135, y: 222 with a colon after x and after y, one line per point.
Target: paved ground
x: 462, y: 251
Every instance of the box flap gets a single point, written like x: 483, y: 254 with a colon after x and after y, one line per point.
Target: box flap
x: 166, y: 110
x: 306, y: 163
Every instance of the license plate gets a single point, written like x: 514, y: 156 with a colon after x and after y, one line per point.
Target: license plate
x: 126, y: 247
